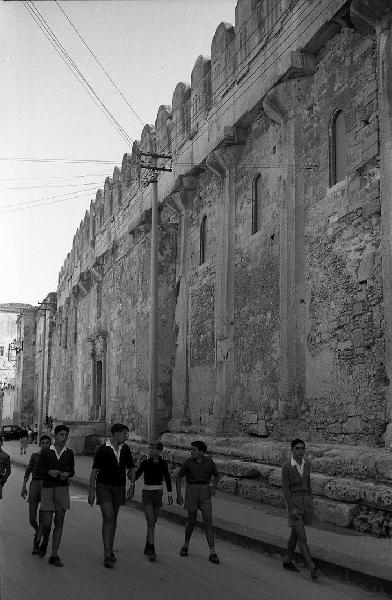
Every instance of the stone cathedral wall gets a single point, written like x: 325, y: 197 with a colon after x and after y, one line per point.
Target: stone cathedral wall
x: 278, y: 331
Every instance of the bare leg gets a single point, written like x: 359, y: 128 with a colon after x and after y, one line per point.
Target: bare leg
x: 57, y: 530
x: 150, y: 518
x: 33, y: 509
x: 209, y: 529
x: 190, y: 526
x: 109, y: 521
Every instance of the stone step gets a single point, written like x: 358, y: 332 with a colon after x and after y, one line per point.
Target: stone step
x: 337, y: 500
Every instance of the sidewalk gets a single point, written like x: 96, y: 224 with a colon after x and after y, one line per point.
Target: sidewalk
x: 364, y: 560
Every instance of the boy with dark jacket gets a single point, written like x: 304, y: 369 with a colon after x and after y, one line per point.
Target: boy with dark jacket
x: 56, y: 465
x: 297, y: 491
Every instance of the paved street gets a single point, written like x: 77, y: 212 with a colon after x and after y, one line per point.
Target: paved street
x: 242, y: 574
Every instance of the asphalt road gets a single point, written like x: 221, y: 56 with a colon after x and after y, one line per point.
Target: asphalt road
x: 242, y: 574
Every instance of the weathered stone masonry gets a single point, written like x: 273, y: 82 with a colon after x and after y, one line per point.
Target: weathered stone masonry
x: 274, y: 279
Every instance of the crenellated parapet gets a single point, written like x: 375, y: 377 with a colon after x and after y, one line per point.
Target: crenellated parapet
x: 268, y: 43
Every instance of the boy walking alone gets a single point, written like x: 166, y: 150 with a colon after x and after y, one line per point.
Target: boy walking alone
x: 297, y: 491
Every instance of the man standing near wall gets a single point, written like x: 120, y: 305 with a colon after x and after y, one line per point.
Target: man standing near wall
x: 56, y: 465
x: 198, y: 470
x: 107, y: 483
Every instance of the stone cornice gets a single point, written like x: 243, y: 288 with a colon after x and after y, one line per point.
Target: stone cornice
x: 366, y: 13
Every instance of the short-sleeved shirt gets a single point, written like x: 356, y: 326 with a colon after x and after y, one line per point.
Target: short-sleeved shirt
x: 198, y: 472
x: 111, y: 470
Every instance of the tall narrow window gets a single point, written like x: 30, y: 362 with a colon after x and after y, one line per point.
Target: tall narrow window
x: 75, y: 332
x: 337, y: 147
x: 99, y: 300
x: 257, y: 198
x: 203, y: 239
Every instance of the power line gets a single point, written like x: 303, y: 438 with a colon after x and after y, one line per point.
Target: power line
x: 99, y: 63
x: 59, y: 48
x: 209, y: 123
x: 52, y: 185
x: 59, y: 160
x: 69, y: 194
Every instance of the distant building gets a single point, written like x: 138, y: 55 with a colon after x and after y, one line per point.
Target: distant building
x: 8, y: 353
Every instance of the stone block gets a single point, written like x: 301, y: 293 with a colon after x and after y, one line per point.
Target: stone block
x: 237, y: 468
x: 260, y: 493
x: 318, y: 483
x: 336, y: 513
x: 347, y: 490
x: 229, y: 485
x: 275, y: 477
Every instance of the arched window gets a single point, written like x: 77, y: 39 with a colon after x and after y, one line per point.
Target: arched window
x: 337, y: 147
x: 203, y: 239
x: 257, y: 198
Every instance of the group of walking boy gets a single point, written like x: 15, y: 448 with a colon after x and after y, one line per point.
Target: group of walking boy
x: 53, y: 466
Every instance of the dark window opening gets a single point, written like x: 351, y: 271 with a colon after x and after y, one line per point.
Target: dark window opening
x: 337, y: 148
x: 203, y: 240
x: 256, y: 204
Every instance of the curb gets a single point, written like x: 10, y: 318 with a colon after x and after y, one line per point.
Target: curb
x: 339, y: 566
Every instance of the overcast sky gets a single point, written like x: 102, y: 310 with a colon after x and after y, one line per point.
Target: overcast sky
x: 147, y: 47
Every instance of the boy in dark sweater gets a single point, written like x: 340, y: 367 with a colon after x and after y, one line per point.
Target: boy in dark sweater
x: 56, y: 465
x: 107, y: 484
x: 155, y: 470
x: 35, y: 489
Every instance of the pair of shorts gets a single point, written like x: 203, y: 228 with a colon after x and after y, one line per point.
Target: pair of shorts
x: 110, y: 494
x: 55, y: 498
x: 303, y: 510
x: 198, y: 497
x: 152, y: 498
x: 35, y: 489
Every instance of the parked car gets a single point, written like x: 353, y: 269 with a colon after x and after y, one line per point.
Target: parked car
x: 11, y: 432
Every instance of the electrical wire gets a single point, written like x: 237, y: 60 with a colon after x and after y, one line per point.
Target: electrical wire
x: 99, y: 63
x: 59, y: 48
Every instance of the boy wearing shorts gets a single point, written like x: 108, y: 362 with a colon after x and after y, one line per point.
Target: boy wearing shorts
x: 155, y: 470
x: 56, y: 465
x: 198, y: 470
x: 35, y: 488
x: 107, y: 484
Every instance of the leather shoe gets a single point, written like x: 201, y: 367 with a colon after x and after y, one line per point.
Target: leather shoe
x: 213, y: 558
x: 108, y: 563
x: 184, y: 551
x: 290, y: 566
x: 55, y: 561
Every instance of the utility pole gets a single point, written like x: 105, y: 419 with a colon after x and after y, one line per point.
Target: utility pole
x: 153, y: 375
x: 44, y: 306
x: 42, y: 387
